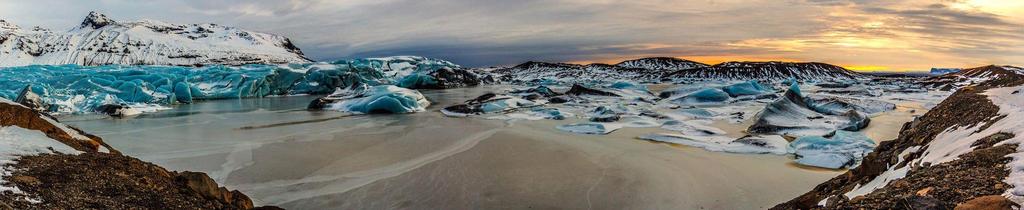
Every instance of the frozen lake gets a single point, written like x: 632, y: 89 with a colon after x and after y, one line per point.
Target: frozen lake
x: 278, y: 153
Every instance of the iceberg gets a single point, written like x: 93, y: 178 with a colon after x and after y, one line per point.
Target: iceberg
x: 381, y: 99
x: 841, y: 149
x: 836, y: 105
x: 747, y: 88
x: 703, y: 96
x: 794, y: 115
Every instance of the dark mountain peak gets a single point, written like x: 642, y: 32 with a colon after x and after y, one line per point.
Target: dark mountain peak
x: 96, y: 20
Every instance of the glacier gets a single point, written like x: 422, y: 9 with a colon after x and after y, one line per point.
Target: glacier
x: 83, y: 89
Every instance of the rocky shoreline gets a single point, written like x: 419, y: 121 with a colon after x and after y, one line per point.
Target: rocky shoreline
x: 98, y: 177
x: 974, y: 179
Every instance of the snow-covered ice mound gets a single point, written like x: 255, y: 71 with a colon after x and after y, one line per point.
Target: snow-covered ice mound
x: 794, y: 115
x: 842, y: 149
x: 381, y: 99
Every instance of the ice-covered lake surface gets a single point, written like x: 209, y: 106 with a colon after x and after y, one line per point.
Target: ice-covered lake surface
x: 279, y: 153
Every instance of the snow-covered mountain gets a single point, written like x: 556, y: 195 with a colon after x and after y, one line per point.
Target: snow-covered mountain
x: 767, y: 71
x: 659, y: 69
x: 641, y: 70
x: 100, y: 40
x: 661, y: 63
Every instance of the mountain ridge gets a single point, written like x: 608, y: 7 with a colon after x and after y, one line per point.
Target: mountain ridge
x: 100, y: 40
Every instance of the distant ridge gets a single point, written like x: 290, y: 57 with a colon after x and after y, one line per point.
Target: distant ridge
x: 100, y: 40
x: 667, y: 68
x: 773, y: 70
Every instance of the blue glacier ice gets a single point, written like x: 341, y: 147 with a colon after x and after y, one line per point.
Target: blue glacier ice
x: 80, y: 89
x: 627, y: 85
x: 704, y: 96
x: 842, y: 149
x: 747, y: 88
x: 379, y: 99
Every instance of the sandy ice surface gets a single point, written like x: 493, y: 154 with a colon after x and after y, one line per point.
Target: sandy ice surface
x: 279, y: 154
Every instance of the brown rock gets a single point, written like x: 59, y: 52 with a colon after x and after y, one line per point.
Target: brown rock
x: 207, y: 187
x: 990, y: 202
x: 26, y: 180
x: 925, y: 191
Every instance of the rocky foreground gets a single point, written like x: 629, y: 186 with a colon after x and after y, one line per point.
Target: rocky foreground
x: 79, y: 171
x: 958, y: 155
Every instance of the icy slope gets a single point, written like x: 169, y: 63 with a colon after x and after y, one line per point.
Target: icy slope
x: 100, y: 40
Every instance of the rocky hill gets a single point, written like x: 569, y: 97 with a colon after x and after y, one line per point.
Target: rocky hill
x: 100, y: 40
x: 941, y: 163
x: 970, y: 76
x: 45, y: 164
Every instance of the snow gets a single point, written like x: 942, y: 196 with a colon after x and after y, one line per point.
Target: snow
x: 382, y: 99
x: 16, y: 142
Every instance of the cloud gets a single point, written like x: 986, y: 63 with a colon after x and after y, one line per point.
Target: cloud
x: 900, y: 34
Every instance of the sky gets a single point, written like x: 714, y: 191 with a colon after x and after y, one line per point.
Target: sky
x: 866, y: 35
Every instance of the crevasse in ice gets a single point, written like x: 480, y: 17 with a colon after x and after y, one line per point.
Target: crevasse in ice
x: 78, y: 89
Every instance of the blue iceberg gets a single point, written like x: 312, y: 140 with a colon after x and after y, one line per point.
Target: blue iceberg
x: 704, y: 96
x: 747, y: 88
x: 841, y: 149
x: 382, y: 99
